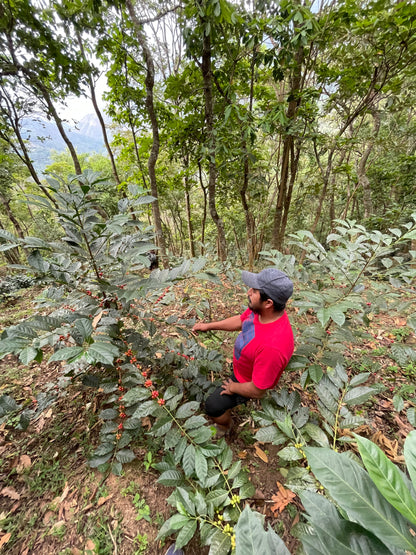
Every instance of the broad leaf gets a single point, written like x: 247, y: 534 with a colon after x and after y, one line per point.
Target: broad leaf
x: 252, y: 539
x: 103, y: 352
x: 67, y: 353
x: 358, y: 395
x: 186, y: 533
x: 387, y: 478
x: 351, y: 487
x: 337, y: 535
x: 410, y: 455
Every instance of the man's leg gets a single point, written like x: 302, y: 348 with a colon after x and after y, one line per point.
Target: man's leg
x: 224, y: 422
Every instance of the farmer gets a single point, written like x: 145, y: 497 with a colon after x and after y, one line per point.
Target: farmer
x: 263, y: 348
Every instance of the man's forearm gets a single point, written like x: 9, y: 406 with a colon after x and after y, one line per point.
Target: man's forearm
x: 247, y: 389
x: 230, y: 324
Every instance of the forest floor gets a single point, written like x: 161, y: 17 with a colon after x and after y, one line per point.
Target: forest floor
x: 52, y: 502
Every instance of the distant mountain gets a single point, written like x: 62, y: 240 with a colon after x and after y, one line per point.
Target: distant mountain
x: 44, y: 137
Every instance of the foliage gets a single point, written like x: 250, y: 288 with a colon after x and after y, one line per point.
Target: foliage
x: 375, y: 509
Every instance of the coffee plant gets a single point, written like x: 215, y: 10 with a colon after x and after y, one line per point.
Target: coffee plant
x: 100, y: 316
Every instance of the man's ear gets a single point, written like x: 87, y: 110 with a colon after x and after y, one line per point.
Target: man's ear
x: 269, y: 303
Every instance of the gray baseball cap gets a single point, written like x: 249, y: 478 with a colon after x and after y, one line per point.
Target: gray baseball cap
x: 277, y: 286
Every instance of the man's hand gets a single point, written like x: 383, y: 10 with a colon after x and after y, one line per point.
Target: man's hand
x: 200, y: 326
x: 246, y: 389
x: 226, y: 387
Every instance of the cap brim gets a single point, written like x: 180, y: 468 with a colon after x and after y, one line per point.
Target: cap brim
x: 250, y: 279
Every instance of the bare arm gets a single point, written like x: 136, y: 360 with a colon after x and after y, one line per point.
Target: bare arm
x: 230, y: 324
x: 247, y: 389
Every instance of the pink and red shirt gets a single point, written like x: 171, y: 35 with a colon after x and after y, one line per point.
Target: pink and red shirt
x: 262, y: 351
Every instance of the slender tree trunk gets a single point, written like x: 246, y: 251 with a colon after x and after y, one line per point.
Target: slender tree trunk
x: 248, y: 214
x: 23, y: 153
x: 52, y: 111
x: 188, y: 210
x: 363, y: 180
x: 6, y: 205
x: 154, y: 153
x: 99, y: 115
x: 289, y: 163
x: 206, y: 68
x: 204, y: 211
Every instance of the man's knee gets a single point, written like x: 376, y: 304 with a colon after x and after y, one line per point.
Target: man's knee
x: 212, y: 407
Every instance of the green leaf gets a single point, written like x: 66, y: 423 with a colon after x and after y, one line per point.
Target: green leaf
x: 98, y: 461
x: 351, y: 487
x: 145, y: 409
x: 135, y: 395
x: 201, y: 435
x: 125, y: 456
x: 201, y: 465
x: 194, y: 422
x: 187, y: 410
x: 84, y: 326
x: 252, y: 539
x: 103, y: 352
x: 410, y: 455
x: 290, y: 453
x: 188, y: 460
x: 411, y: 416
x: 316, y: 434
x: 216, y: 497
x: 359, y: 379
x: 170, y: 478
x: 335, y: 534
x: 108, y: 414
x: 247, y: 490
x: 386, y: 477
x: 358, y: 395
x: 234, y: 470
x: 27, y: 355
x: 184, y: 498
x: 186, y: 534
x: 67, y: 353
x: 116, y: 468
x: 315, y: 372
x: 270, y: 434
x: 398, y: 402
x: 220, y: 544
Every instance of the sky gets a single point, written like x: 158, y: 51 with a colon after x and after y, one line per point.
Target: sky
x: 77, y: 108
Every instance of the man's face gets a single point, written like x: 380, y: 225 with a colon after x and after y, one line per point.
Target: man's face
x: 254, y: 301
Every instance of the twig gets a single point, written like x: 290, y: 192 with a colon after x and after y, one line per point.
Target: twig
x: 112, y: 539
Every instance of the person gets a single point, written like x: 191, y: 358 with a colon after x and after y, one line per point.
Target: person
x: 263, y: 348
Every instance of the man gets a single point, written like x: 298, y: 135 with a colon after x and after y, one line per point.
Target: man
x: 263, y: 348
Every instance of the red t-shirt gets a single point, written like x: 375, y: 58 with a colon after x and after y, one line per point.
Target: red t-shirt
x: 262, y: 351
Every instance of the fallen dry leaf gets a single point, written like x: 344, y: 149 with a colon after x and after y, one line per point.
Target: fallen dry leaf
x: 4, y: 539
x: 23, y: 463
x: 282, y: 498
x: 103, y: 500
x: 146, y: 422
x: 10, y: 492
x: 97, y: 319
x: 90, y: 546
x: 48, y: 413
x: 242, y: 454
x: 261, y: 454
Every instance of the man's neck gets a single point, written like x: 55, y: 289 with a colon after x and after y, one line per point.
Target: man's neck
x: 267, y: 317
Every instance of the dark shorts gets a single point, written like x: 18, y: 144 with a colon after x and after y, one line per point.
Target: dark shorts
x: 216, y: 404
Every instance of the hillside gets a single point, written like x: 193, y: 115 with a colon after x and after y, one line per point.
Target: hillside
x: 44, y: 138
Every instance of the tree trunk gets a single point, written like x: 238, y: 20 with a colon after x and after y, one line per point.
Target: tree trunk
x: 252, y: 249
x: 209, y: 122
x: 99, y: 115
x: 289, y: 163
x: 154, y: 153
x: 204, y: 212
x: 23, y: 154
x: 52, y: 111
x: 10, y: 215
x: 363, y: 180
x: 188, y: 211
